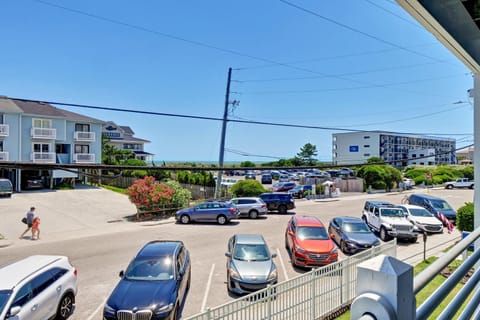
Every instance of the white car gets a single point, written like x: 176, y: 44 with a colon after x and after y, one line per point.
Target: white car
x: 37, y: 288
x: 420, y: 217
x: 250, y: 206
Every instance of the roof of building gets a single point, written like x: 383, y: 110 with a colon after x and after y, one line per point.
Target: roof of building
x: 7, y: 105
x: 127, y: 130
x: 142, y: 152
x: 47, y: 110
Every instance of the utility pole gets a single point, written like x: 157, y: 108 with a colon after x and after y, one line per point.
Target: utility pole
x: 218, y: 185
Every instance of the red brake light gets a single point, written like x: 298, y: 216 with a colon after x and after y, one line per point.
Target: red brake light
x: 75, y: 272
x: 232, y: 210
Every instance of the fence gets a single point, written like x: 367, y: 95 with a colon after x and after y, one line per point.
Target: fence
x: 313, y: 295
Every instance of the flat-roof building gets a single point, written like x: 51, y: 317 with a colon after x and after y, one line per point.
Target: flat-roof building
x: 398, y: 149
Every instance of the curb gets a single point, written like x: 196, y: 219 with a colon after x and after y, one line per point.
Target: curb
x: 157, y: 223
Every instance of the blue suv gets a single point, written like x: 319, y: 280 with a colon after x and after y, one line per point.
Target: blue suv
x: 278, y: 201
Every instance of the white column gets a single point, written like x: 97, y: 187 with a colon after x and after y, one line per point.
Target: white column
x: 476, y: 152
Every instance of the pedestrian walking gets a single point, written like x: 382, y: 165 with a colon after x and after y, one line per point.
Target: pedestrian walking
x: 36, y: 228
x: 29, y: 221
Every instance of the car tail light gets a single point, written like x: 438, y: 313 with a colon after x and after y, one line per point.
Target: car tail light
x: 264, y: 205
x: 75, y: 272
x: 232, y: 210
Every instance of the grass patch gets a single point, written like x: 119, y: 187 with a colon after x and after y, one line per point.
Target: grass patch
x: 115, y: 189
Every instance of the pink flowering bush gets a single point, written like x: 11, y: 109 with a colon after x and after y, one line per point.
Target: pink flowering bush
x: 147, y: 194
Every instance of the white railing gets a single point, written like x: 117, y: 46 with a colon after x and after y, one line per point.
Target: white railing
x: 3, y: 155
x: 84, y: 157
x: 44, y: 133
x: 84, y: 136
x: 313, y: 295
x: 44, y: 157
x: 4, y: 130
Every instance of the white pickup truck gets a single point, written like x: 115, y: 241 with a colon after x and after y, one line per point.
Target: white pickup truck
x: 389, y: 221
x: 460, y: 183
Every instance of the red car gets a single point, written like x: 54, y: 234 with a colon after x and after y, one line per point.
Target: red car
x: 283, y: 186
x: 309, y: 243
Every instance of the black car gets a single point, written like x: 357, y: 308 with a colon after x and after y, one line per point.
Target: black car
x: 352, y: 234
x: 278, y: 201
x: 266, y: 178
x: 154, y: 285
x: 300, y: 191
x: 33, y: 182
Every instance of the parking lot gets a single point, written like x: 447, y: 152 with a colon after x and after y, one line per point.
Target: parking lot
x: 100, y: 244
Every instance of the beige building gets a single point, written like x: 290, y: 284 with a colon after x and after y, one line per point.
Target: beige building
x: 465, y: 156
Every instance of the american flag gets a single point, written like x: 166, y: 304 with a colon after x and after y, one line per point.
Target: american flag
x: 446, y: 222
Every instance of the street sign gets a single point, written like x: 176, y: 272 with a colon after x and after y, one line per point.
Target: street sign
x: 428, y: 176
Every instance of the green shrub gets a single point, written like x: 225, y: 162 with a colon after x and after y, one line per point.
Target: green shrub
x: 465, y: 217
x: 247, y: 188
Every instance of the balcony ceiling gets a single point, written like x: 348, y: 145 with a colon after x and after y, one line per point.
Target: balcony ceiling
x: 456, y: 23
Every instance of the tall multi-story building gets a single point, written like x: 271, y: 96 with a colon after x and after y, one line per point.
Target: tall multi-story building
x: 398, y: 149
x: 122, y: 138
x: 41, y: 133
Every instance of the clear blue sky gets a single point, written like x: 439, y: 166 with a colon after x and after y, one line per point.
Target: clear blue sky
x: 359, y: 64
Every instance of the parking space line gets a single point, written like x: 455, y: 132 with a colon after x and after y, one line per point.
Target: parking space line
x: 207, y: 289
x: 283, y: 264
x: 92, y: 316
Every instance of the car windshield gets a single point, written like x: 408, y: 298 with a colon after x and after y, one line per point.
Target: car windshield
x: 5, y: 184
x: 355, y: 227
x: 278, y: 184
x: 312, y: 233
x: 4, y: 296
x: 297, y: 188
x: 394, y: 212
x: 251, y: 252
x: 441, y: 205
x: 420, y: 213
x: 158, y: 268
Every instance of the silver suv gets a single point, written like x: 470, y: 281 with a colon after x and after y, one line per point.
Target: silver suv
x: 250, y: 206
x: 38, y: 288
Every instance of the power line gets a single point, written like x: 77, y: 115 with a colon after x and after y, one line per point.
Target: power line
x: 368, y: 35
x: 394, y: 14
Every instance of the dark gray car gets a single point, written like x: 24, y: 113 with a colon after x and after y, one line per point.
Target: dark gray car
x: 249, y: 264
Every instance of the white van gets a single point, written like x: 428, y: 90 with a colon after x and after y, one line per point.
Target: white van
x: 283, y: 178
x: 37, y: 288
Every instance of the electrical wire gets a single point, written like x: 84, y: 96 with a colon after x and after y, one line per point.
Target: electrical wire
x: 368, y: 35
x: 192, y: 116
x: 395, y: 14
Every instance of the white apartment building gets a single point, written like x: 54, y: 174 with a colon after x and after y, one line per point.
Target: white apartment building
x: 398, y: 149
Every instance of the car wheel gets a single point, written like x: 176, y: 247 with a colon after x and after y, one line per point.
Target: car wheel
x: 185, y: 219
x: 343, y: 246
x: 65, y: 307
x: 471, y: 187
x: 253, y: 214
x: 383, y: 234
x: 175, y: 313
x: 221, y: 219
x: 449, y: 186
x: 413, y: 240
x: 365, y: 219
x: 282, y: 209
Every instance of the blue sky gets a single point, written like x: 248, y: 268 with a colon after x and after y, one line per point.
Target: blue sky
x: 361, y: 64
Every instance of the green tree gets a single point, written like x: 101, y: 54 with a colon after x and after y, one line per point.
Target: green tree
x: 375, y: 160
x: 307, y: 154
x: 247, y: 164
x: 247, y: 188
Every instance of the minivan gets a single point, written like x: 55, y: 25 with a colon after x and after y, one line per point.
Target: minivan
x: 6, y: 188
x: 37, y: 288
x: 434, y: 205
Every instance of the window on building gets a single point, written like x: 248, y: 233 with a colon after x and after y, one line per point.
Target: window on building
x: 366, y: 154
x: 82, y: 148
x: 61, y: 148
x: 366, y: 137
x: 42, y: 123
x: 1, y: 145
x: 82, y: 127
x: 41, y: 147
x: 366, y: 146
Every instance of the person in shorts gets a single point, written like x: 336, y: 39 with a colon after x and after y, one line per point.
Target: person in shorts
x: 30, y: 216
x: 36, y: 228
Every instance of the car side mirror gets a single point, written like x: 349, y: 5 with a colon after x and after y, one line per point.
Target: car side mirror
x: 228, y: 254
x: 274, y: 255
x: 14, y: 311
x: 376, y: 213
x: 121, y: 274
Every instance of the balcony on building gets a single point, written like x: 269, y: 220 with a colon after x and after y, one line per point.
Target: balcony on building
x: 43, y: 157
x: 4, y: 130
x: 3, y: 155
x: 44, y: 133
x: 84, y: 136
x: 84, y: 157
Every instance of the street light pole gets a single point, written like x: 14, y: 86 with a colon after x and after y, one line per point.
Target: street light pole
x: 218, y: 185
